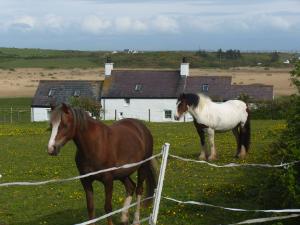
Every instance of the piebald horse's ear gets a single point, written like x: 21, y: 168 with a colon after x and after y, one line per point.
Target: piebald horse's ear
x: 65, y: 108
x: 182, y: 95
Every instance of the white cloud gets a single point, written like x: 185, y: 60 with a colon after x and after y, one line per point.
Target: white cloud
x: 95, y: 24
x: 165, y: 24
x: 126, y: 24
x: 25, y: 23
x: 53, y: 21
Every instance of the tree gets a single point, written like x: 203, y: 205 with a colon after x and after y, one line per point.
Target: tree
x: 274, y: 57
x: 88, y: 104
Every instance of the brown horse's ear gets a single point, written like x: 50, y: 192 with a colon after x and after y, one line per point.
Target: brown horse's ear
x: 52, y: 106
x: 65, y: 108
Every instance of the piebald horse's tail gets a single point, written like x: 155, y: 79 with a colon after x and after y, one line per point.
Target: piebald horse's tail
x: 247, y: 133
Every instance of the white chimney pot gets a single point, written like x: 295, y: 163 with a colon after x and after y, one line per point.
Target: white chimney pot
x: 184, y: 69
x: 108, y: 68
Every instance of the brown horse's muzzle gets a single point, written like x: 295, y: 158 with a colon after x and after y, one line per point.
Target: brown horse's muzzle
x: 53, y: 150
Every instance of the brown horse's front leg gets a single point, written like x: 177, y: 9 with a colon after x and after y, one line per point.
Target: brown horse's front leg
x: 89, y: 193
x: 108, y: 185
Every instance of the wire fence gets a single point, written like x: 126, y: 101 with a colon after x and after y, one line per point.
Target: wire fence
x: 152, y: 219
x: 15, y: 114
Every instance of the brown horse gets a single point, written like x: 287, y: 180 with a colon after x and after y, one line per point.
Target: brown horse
x: 100, y: 147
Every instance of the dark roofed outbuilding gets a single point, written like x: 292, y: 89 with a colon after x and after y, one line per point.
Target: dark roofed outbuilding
x: 56, y: 92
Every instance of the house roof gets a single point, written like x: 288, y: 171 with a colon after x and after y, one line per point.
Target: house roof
x: 152, y: 84
x: 254, y: 91
x: 218, y: 86
x: 169, y: 84
x: 50, y: 91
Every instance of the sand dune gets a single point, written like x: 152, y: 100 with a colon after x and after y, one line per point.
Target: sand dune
x: 23, y: 82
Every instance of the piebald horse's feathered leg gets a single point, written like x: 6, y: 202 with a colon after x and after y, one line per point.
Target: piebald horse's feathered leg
x: 236, y: 134
x: 211, y: 138
x: 203, y: 149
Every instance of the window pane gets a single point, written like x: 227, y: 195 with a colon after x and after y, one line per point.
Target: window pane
x: 168, y: 114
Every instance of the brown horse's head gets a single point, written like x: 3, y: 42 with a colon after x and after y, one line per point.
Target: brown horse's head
x: 62, y: 124
x: 184, y: 102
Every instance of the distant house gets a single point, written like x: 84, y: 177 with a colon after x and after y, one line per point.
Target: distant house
x: 56, y: 92
x: 152, y: 94
x: 286, y: 61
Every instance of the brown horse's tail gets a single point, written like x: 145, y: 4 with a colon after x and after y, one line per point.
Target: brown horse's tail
x: 151, y: 180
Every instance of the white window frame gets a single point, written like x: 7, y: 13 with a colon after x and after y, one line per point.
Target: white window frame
x: 205, y: 87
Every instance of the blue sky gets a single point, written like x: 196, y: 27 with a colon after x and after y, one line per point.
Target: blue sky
x: 151, y: 24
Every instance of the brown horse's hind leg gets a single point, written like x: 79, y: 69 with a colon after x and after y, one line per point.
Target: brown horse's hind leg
x: 130, y: 187
x: 236, y: 134
x: 108, y: 186
x: 89, y: 193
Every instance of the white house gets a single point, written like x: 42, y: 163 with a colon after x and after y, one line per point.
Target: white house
x: 151, y: 95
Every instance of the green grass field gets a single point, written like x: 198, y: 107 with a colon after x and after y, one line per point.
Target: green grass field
x: 23, y: 157
x: 11, y: 58
x: 15, y: 109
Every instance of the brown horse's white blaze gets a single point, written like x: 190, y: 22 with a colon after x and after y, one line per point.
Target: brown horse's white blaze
x: 210, y: 117
x: 100, y: 147
x: 52, y: 149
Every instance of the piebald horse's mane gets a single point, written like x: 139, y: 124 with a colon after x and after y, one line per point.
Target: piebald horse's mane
x: 196, y: 100
x: 80, y: 116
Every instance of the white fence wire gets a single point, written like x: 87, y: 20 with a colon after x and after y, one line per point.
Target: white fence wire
x: 284, y: 165
x: 157, y: 196
x: 25, y: 183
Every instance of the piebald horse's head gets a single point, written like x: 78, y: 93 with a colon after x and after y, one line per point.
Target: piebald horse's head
x: 62, y: 126
x: 184, y: 102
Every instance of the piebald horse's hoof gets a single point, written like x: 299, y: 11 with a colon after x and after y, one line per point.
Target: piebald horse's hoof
x: 212, y: 158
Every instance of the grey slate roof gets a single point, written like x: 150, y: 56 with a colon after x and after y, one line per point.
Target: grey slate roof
x: 169, y: 84
x: 218, y: 86
x: 254, y: 91
x: 62, y: 90
x: 154, y: 84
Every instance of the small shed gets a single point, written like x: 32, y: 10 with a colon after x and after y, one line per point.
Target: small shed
x: 56, y: 92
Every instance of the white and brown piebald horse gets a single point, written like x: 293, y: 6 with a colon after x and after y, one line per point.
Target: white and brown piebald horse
x: 210, y: 116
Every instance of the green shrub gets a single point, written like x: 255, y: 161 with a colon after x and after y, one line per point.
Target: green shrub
x: 287, y: 148
x: 88, y: 104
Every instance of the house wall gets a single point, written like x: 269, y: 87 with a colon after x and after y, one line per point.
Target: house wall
x: 39, y: 114
x: 139, y: 109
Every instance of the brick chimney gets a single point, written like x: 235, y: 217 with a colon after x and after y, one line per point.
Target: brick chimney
x: 184, y: 67
x: 109, y: 66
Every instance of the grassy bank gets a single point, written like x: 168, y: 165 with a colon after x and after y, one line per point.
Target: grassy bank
x: 11, y: 58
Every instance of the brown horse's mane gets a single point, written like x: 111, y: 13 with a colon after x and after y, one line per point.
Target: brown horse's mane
x: 80, y: 116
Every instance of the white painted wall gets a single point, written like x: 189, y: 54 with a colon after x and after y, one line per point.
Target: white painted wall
x: 139, y: 109
x: 39, y: 114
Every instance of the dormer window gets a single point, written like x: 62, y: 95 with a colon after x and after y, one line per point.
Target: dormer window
x: 76, y: 93
x: 51, y: 93
x: 205, y: 88
x: 138, y: 87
